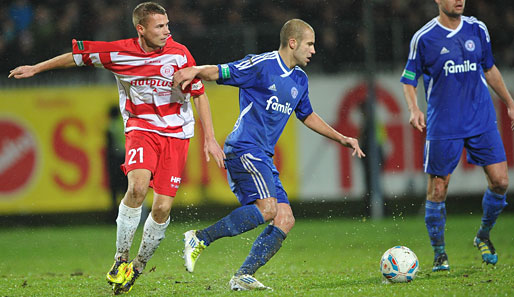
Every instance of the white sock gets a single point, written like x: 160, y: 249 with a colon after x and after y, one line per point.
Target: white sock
x: 153, y: 233
x: 127, y: 221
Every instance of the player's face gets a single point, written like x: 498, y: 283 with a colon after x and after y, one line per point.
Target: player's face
x: 305, y: 48
x: 452, y: 8
x: 155, y: 32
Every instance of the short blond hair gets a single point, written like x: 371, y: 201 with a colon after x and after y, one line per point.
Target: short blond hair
x: 293, y: 28
x: 143, y: 10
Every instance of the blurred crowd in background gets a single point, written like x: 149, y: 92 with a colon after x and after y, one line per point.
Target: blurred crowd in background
x: 219, y: 31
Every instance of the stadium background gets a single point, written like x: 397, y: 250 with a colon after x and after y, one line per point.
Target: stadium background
x: 52, y: 127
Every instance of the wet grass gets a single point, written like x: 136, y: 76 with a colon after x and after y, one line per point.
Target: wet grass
x: 330, y: 257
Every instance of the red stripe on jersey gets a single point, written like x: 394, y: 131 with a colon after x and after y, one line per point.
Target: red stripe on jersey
x: 135, y: 122
x: 87, y: 60
x: 162, y: 110
x: 105, y: 58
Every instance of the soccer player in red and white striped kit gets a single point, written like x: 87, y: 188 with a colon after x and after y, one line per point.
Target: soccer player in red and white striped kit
x: 158, y: 124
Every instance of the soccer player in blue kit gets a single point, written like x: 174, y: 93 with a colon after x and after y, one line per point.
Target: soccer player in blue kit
x: 453, y: 53
x: 271, y: 87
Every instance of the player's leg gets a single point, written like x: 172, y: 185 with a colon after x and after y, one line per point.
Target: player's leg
x: 170, y: 164
x: 435, y: 218
x: 441, y: 158
x: 487, y: 150
x: 264, y: 248
x: 129, y: 214
x: 140, y: 161
x: 153, y: 233
x: 267, y: 243
x: 251, y: 180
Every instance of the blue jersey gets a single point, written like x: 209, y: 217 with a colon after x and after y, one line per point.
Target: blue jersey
x: 269, y: 92
x: 452, y: 63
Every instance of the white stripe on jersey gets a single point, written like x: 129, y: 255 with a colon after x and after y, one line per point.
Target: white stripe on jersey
x: 260, y: 184
x: 188, y: 131
x: 473, y: 20
x: 178, y: 60
x: 255, y: 60
x: 484, y: 81
x: 415, y: 39
x: 243, y: 112
x: 429, y: 89
x: 427, y: 149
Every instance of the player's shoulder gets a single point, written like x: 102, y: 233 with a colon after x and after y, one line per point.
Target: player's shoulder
x: 473, y: 21
x: 476, y: 24
x: 425, y: 29
x: 175, y: 47
x: 300, y: 72
x: 256, y: 60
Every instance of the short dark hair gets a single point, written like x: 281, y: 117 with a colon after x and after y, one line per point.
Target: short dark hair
x: 293, y: 28
x: 143, y: 10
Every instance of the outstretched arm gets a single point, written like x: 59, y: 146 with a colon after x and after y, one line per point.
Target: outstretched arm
x: 417, y: 117
x: 62, y: 61
x: 316, y: 123
x: 211, y: 146
x: 184, y: 76
x: 495, y: 80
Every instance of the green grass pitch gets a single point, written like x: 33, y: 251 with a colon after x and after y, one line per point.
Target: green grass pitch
x: 321, y: 257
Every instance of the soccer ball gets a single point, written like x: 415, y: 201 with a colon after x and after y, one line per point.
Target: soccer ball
x: 399, y: 264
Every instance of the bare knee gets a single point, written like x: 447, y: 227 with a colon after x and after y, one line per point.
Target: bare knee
x: 500, y: 185
x: 284, y: 222
x: 267, y: 207
x: 161, y: 208
x: 437, y: 188
x: 136, y: 193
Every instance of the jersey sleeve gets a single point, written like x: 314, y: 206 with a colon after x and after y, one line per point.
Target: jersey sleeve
x: 487, y: 53
x: 240, y: 73
x: 414, y: 68
x: 196, y: 87
x: 304, y: 107
x: 84, y: 55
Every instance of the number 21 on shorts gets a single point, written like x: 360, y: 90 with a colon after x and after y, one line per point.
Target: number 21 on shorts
x: 133, y: 153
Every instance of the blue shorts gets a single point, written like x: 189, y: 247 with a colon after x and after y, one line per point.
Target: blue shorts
x: 442, y: 156
x: 253, y: 176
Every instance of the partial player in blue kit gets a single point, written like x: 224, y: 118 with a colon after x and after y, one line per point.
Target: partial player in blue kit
x: 453, y: 54
x: 271, y: 87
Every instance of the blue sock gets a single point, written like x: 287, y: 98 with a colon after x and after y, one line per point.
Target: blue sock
x: 492, y: 205
x: 240, y: 220
x: 435, y: 220
x: 264, y: 247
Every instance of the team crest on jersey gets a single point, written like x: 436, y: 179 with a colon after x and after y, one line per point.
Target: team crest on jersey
x: 294, y: 92
x: 167, y: 70
x: 470, y: 45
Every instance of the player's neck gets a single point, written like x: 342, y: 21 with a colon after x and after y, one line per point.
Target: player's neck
x: 287, y: 58
x: 145, y: 47
x: 449, y: 22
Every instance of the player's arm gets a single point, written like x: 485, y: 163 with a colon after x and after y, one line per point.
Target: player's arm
x: 211, y: 146
x: 495, y: 80
x: 318, y: 125
x: 417, y: 117
x: 184, y: 76
x: 62, y: 61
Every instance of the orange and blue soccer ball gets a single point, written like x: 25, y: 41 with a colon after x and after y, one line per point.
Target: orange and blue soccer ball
x: 399, y: 264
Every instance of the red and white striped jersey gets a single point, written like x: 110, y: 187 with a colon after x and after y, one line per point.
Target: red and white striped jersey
x: 148, y: 101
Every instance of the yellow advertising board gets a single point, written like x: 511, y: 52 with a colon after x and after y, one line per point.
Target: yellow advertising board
x: 52, y: 147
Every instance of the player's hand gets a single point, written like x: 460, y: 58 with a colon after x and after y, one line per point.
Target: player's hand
x: 354, y: 144
x: 212, y: 147
x: 183, y: 77
x: 22, y: 72
x: 510, y: 113
x: 417, y: 120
